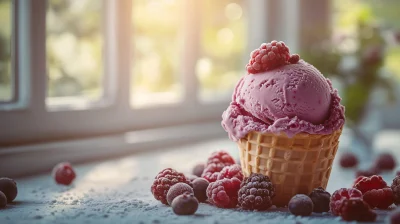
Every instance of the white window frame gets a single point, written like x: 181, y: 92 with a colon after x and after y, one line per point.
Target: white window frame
x: 29, y: 120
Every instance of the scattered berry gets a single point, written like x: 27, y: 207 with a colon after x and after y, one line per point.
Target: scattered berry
x: 230, y: 172
x: 294, y: 58
x: 185, y: 204
x: 339, y: 196
x: 176, y: 190
x: 63, y: 173
x: 379, y: 198
x: 221, y: 157
x: 163, y: 181
x: 321, y: 200
x: 211, y: 172
x: 3, y: 200
x: 348, y: 160
x: 267, y: 57
x: 396, y: 190
x: 395, y: 216
x: 355, y: 209
x: 224, y: 193
x: 256, y: 192
x: 198, y: 169
x: 200, y: 189
x: 385, y: 161
x: 301, y: 205
x: 370, y: 183
x: 9, y: 188
x: 368, y: 172
x: 191, y: 177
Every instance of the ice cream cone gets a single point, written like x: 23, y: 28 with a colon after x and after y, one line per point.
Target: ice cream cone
x: 295, y: 165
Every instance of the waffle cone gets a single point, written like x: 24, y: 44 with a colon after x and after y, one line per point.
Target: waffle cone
x: 295, y: 165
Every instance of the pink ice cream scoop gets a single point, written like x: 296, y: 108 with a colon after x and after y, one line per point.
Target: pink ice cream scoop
x: 292, y: 98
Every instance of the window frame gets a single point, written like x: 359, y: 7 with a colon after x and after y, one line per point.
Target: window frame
x: 32, y: 121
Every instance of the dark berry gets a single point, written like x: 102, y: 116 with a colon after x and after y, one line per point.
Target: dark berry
x: 267, y: 57
x: 224, y: 193
x: 355, y: 209
x: 9, y: 188
x: 348, y: 160
x: 176, y: 190
x: 321, y: 200
x: 339, y: 196
x: 301, y: 205
x: 396, y: 190
x: 185, y: 204
x: 379, y: 198
x: 368, y: 172
x: 385, y: 161
x: 256, y: 192
x: 200, y: 189
x: 398, y: 173
x: 230, y: 172
x: 370, y: 183
x: 164, y: 181
x: 191, y: 177
x: 3, y: 200
x: 198, y: 169
x: 63, y: 173
x: 395, y: 216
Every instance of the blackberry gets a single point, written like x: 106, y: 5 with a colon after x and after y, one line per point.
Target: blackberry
x: 256, y: 192
x: 321, y: 200
x: 355, y: 209
x: 9, y: 188
x: 164, y: 181
x: 396, y: 190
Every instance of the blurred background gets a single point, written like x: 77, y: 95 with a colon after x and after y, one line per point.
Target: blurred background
x: 353, y: 42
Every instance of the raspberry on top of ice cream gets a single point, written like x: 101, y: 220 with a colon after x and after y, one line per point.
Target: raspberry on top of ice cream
x: 282, y: 94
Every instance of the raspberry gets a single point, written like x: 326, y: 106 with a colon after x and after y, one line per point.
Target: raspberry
x: 256, y: 192
x: 385, y: 161
x: 268, y: 56
x: 176, y: 190
x: 9, y: 188
x: 221, y: 158
x: 294, y: 58
x: 348, y: 160
x: 370, y: 183
x: 63, y: 173
x: 198, y: 169
x: 321, y: 200
x: 230, y: 172
x: 185, y: 204
x: 211, y: 172
x: 164, y: 181
x: 355, y: 209
x: 3, y: 200
x: 301, y: 205
x: 396, y: 190
x: 379, y: 198
x: 357, y: 180
x: 339, y: 196
x: 224, y: 193
x: 369, y: 172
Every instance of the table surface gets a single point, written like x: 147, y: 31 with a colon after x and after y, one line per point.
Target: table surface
x: 118, y: 191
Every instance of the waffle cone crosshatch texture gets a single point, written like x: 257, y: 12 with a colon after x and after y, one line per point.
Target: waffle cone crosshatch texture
x: 295, y: 165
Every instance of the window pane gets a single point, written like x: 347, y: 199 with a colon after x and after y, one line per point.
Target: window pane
x: 156, y: 44
x: 6, y: 79
x: 74, y: 51
x: 223, y: 43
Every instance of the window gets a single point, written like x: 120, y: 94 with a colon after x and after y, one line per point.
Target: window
x: 6, y: 77
x: 90, y: 67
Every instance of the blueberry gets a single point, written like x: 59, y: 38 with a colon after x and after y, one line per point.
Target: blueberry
x: 198, y: 169
x: 9, y: 188
x: 176, y: 190
x: 320, y: 199
x: 199, y: 187
x: 3, y: 200
x: 301, y: 205
x: 185, y: 204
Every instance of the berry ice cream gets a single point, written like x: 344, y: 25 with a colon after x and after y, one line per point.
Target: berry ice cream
x: 281, y: 93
